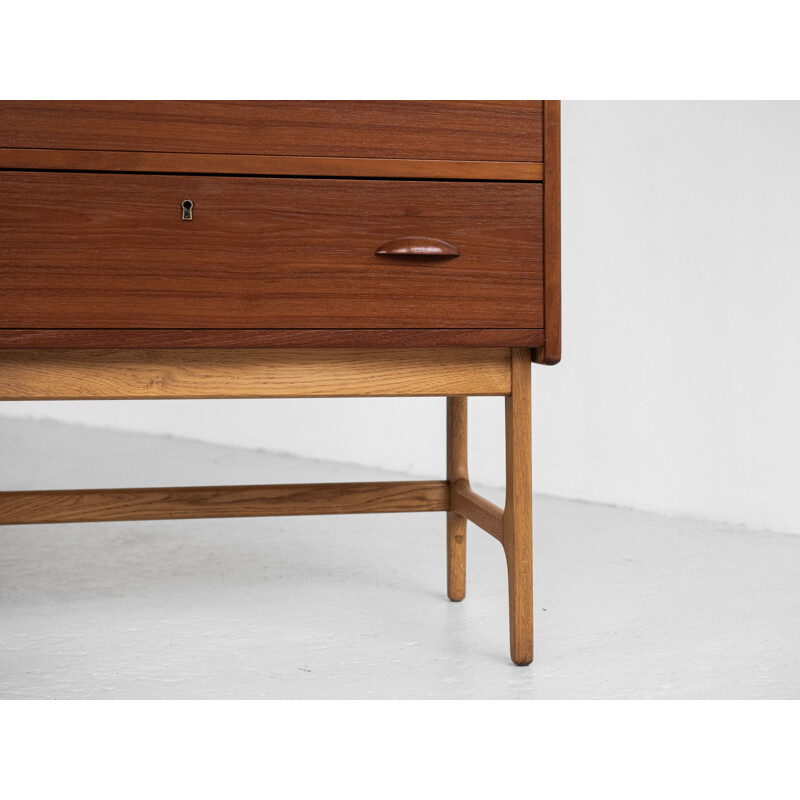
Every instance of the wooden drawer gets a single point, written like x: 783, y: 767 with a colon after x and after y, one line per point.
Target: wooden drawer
x: 482, y: 130
x: 85, y: 250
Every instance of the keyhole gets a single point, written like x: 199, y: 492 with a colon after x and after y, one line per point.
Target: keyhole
x: 187, y: 206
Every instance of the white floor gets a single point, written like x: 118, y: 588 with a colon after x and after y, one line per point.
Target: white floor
x: 628, y: 604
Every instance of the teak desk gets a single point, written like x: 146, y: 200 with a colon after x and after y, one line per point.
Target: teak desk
x: 287, y: 249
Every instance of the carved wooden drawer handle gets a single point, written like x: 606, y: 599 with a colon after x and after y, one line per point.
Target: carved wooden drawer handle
x: 417, y: 246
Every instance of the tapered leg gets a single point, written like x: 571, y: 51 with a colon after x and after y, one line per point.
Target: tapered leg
x: 517, y: 517
x: 456, y: 524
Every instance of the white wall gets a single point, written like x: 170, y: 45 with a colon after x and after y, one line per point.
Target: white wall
x: 680, y: 385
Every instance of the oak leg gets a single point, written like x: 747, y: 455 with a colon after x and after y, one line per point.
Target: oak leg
x: 456, y: 524
x: 517, y: 516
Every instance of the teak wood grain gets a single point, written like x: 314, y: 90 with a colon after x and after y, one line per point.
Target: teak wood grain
x: 220, y: 163
x: 551, y: 352
x: 134, y: 338
x: 88, y: 250
x: 465, y: 130
x: 222, y: 373
x: 201, y: 502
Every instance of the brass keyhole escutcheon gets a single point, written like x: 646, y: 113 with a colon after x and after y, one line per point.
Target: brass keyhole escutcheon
x: 186, y: 209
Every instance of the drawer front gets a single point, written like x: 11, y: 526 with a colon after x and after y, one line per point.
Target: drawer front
x: 481, y: 130
x: 84, y: 250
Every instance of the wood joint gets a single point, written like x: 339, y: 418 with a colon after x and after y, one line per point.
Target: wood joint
x: 477, y: 509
